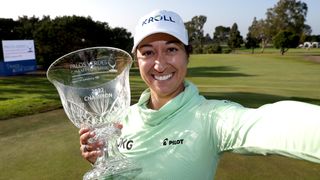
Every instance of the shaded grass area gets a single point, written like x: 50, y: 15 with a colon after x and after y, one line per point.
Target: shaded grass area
x: 25, y: 95
x: 237, y: 167
x: 41, y: 146
x: 46, y: 145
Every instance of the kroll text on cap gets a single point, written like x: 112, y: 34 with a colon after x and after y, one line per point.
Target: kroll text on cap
x: 160, y: 21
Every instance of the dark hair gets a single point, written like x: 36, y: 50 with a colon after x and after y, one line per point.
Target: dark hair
x: 188, y: 49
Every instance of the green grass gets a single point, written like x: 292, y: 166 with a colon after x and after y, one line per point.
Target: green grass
x: 254, y: 80
x: 41, y: 146
x: 298, y: 51
x: 46, y: 145
x: 24, y: 95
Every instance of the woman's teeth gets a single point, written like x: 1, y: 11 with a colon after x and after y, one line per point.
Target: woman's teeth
x: 163, y: 78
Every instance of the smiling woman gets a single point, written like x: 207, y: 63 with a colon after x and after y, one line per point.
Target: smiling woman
x: 178, y: 134
x: 162, y: 61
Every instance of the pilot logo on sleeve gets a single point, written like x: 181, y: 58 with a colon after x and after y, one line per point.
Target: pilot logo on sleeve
x: 167, y: 142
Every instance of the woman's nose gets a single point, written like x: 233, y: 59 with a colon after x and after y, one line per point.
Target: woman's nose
x: 160, y: 63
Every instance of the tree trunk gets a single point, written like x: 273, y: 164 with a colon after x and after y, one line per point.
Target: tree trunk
x: 264, y: 43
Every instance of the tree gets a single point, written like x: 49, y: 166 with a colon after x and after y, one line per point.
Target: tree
x: 122, y: 38
x: 285, y: 40
x: 313, y: 38
x: 253, y: 38
x: 260, y: 30
x: 288, y: 15
x: 62, y: 35
x: 7, y: 32
x: 221, y: 34
x: 235, y: 39
x: 56, y: 37
x: 251, y: 42
x: 43, y: 36
x: 7, y: 29
x: 26, y: 27
x: 207, y: 39
x: 214, y: 48
x: 195, y: 30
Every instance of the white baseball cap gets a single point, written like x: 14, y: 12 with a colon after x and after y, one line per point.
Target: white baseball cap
x: 160, y: 21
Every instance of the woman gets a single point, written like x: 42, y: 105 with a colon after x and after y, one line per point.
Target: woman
x: 175, y: 133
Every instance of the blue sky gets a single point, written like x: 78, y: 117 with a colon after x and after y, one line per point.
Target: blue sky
x: 125, y: 13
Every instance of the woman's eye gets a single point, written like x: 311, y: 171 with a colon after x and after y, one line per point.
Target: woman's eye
x: 172, y: 50
x: 147, y: 53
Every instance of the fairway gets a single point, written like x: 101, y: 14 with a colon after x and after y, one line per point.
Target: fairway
x: 46, y: 145
x: 253, y: 80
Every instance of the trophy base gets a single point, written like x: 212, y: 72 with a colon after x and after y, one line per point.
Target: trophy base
x: 114, y: 169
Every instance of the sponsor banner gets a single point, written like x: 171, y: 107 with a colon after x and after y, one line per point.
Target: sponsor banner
x: 17, y: 67
x: 18, y: 50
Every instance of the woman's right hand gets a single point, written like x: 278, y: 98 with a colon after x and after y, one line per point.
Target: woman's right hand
x: 89, y: 151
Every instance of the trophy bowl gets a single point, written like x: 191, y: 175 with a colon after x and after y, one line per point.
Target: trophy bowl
x: 93, y: 85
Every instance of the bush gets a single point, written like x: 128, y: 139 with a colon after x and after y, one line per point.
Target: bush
x: 226, y: 50
x: 213, y: 49
x: 197, y: 50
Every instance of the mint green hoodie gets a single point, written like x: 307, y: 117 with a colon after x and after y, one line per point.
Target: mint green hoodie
x: 186, y: 137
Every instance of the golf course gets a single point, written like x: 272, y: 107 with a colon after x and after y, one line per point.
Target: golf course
x: 39, y: 142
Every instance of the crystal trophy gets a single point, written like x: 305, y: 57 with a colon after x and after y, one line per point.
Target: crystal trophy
x: 93, y: 85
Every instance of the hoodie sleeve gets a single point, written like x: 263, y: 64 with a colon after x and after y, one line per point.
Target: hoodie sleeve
x: 286, y: 128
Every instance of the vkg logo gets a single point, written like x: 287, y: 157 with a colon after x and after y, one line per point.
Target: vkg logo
x: 167, y: 142
x: 125, y: 144
x: 158, y: 18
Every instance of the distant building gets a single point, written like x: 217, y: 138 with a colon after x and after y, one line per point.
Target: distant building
x: 309, y: 45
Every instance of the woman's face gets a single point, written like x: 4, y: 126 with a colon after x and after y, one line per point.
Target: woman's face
x: 162, y: 61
